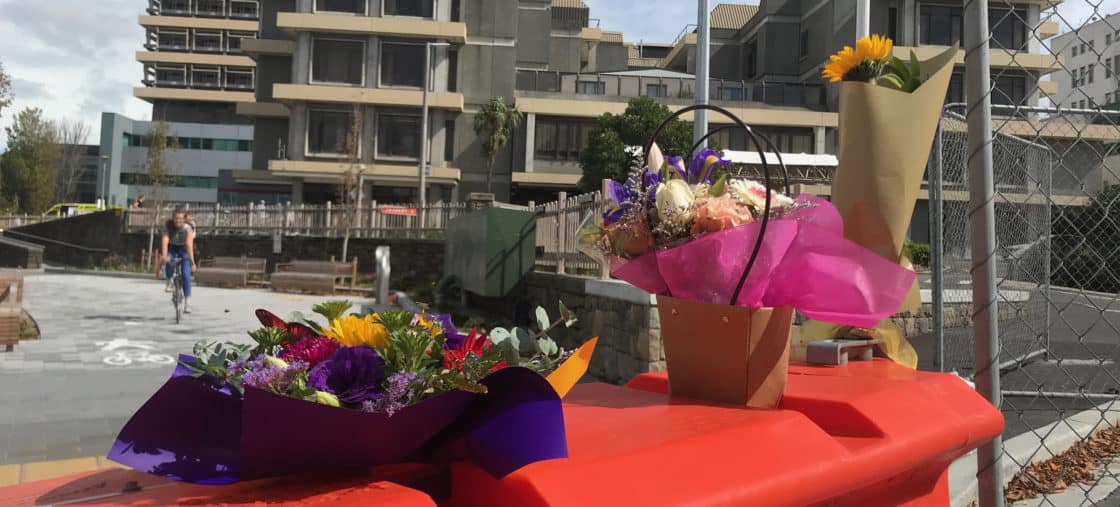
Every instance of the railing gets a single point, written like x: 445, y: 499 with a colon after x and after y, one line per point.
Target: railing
x: 611, y: 85
x: 10, y: 221
x: 558, y: 234
x: 394, y: 221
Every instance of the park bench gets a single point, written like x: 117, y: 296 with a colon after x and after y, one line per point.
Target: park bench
x: 319, y: 277
x: 230, y: 271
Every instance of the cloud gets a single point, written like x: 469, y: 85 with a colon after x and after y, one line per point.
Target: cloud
x: 23, y: 88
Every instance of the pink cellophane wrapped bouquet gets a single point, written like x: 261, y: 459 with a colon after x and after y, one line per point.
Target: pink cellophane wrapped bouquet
x: 675, y: 230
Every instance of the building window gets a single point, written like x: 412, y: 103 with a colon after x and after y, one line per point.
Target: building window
x: 175, y: 181
x: 170, y: 38
x: 233, y: 40
x: 205, y: 77
x: 750, y: 58
x: 1091, y: 67
x: 327, y: 131
x: 337, y: 61
x: 1082, y: 47
x: 449, y: 140
x: 1074, y: 50
x: 453, y: 70
x: 892, y: 23
x: 1108, y: 98
x: 244, y: 8
x: 955, y: 95
x: 1009, y: 28
x: 805, y: 44
x: 456, y: 8
x: 349, y: 6
x: 1107, y: 68
x: 561, y: 138
x: 175, y: 7
x: 402, y: 64
x: 206, y: 40
x: 939, y: 25
x: 729, y: 93
x: 240, y: 78
x: 415, y: 8
x: 591, y: 88
x: 211, y: 7
x: 1107, y: 39
x: 1009, y: 90
x: 657, y: 90
x: 398, y: 136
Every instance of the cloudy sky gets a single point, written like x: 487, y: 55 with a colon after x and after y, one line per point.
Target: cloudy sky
x: 76, y: 58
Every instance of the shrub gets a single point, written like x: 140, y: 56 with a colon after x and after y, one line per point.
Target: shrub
x: 918, y: 253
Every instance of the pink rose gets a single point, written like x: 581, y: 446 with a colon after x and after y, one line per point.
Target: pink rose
x: 714, y: 214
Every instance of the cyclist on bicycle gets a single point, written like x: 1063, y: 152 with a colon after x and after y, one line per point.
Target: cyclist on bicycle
x: 178, y: 243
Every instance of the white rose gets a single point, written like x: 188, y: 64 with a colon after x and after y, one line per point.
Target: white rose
x: 674, y: 199
x: 753, y: 193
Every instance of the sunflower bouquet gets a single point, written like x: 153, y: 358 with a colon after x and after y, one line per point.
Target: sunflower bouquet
x: 354, y: 391
x: 889, y: 112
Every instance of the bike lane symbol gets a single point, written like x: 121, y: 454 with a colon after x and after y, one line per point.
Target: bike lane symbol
x: 126, y: 352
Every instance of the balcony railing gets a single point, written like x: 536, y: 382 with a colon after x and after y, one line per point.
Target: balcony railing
x: 610, y: 85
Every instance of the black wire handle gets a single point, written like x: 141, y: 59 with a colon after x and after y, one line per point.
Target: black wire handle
x: 765, y: 173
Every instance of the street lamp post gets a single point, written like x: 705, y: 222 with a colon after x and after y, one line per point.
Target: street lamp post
x: 703, y: 56
x: 424, y: 134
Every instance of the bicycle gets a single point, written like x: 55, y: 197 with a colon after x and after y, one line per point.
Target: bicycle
x: 177, y: 296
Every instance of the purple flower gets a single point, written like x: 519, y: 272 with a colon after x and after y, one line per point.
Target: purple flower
x: 700, y: 170
x: 262, y: 373
x: 403, y: 387
x: 354, y: 374
x: 677, y: 163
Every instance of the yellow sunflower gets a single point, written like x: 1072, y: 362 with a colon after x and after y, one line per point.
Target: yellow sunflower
x: 352, y: 331
x: 863, y: 63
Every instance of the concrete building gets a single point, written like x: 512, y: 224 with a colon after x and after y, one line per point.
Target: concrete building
x: 1091, y: 77
x: 320, y: 61
x: 204, y: 162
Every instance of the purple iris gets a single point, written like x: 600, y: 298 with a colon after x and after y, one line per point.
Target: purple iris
x: 621, y: 197
x: 700, y: 170
x: 354, y: 374
x: 451, y: 335
x: 677, y: 163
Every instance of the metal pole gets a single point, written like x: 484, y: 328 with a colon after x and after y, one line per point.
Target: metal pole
x: 937, y: 251
x: 863, y: 18
x: 703, y: 55
x: 424, y: 132
x: 986, y: 348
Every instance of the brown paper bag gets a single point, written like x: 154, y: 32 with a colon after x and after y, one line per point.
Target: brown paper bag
x: 725, y: 354
x: 885, y: 139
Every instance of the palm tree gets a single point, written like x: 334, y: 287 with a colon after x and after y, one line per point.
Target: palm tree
x: 494, y: 125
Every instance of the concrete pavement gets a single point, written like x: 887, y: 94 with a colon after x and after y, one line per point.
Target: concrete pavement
x: 107, y: 344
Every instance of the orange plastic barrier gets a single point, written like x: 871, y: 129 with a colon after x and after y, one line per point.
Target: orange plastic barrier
x: 111, y: 488
x: 866, y: 434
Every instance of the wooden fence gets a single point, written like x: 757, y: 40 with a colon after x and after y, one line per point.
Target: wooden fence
x: 558, y: 226
x: 11, y: 221
x: 389, y: 221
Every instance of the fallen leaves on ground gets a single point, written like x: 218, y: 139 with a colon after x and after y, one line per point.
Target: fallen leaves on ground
x: 1080, y: 464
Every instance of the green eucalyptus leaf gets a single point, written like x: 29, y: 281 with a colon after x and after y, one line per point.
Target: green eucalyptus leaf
x: 565, y: 313
x: 499, y: 335
x: 542, y: 319
x: 547, y: 346
x: 522, y: 340
x: 511, y: 355
x: 718, y: 189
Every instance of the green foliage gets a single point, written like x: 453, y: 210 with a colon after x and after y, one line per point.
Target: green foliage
x: 29, y: 167
x: 494, y: 125
x: 918, y: 253
x: 332, y: 310
x: 1084, y: 243
x: 211, y: 362
x: 605, y: 156
x: 536, y: 351
x: 5, y: 89
x: 269, y: 340
x: 158, y: 168
x: 904, y: 76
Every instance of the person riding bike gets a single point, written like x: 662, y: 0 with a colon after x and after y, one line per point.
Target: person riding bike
x: 178, y: 243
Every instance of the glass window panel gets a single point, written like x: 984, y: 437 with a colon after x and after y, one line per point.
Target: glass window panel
x: 398, y: 135
x: 402, y: 64
x: 327, y: 131
x: 337, y: 61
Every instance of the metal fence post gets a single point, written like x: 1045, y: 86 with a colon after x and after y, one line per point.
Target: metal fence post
x: 986, y: 347
x: 937, y: 250
x: 561, y: 230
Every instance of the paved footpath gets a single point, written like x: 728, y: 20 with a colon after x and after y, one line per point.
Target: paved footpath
x: 107, y: 346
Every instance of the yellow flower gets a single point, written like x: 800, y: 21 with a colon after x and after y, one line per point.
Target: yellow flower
x: 428, y: 325
x: 325, y: 398
x: 875, y: 47
x: 352, y: 331
x: 869, y: 55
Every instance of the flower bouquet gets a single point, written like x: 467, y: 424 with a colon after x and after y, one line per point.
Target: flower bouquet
x: 357, y: 392
x: 729, y: 260
x: 889, y: 111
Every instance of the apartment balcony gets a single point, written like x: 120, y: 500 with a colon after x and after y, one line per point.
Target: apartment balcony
x: 239, y: 25
x: 1042, y: 63
x: 409, y: 27
x: 256, y: 47
x: 377, y: 173
x: 159, y: 91
x: 590, y: 95
x: 286, y: 92
x: 244, y: 9
x: 194, y: 58
x: 263, y: 109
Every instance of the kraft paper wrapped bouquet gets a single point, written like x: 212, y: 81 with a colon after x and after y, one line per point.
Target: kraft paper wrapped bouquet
x: 729, y: 260
x: 889, y: 112
x: 358, y: 392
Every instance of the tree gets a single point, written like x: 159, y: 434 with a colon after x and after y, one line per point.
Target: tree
x: 72, y: 136
x: 494, y: 125
x: 28, y: 169
x: 159, y: 172
x: 605, y: 156
x: 6, y: 95
x: 350, y: 189
x: 1084, y: 243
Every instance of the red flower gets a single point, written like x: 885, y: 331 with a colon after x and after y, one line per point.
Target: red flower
x: 295, y: 329
x: 475, y: 343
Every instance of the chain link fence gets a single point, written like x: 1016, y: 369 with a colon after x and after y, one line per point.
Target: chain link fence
x: 1055, y: 149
